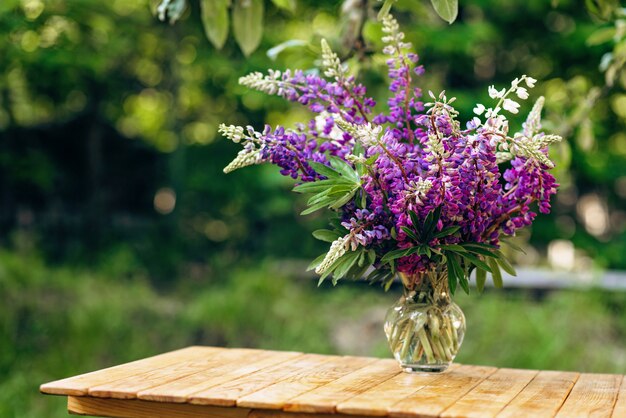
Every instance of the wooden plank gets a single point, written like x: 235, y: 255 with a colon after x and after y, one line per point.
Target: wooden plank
x: 79, y: 385
x: 181, y: 389
x: 620, y: 406
x: 378, y: 399
x: 133, y: 408
x: 491, y: 395
x: 129, y: 386
x: 276, y: 395
x: 274, y: 413
x: 543, y: 396
x: 324, y: 399
x: 593, y: 395
x: 228, y: 393
x: 439, y: 394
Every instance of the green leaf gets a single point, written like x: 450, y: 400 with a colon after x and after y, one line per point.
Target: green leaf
x: 402, y: 252
x: 344, y: 169
x: 481, y: 278
x: 452, y: 272
x: 453, y: 247
x: 248, y: 24
x: 410, y: 233
x: 446, y: 9
x: 601, y: 36
x: 505, y: 264
x: 318, y: 260
x: 431, y: 223
x: 342, y: 201
x: 447, y: 231
x: 214, y: 15
x: 323, y: 169
x: 289, y: 5
x: 512, y: 245
x: 315, y: 208
x: 384, y: 10
x: 326, y: 235
x: 496, y: 275
x: 476, y: 261
x: 313, y: 187
x: 464, y: 284
x: 344, y: 264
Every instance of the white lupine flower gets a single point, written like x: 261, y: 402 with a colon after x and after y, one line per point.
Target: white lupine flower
x: 479, y: 109
x: 533, y: 121
x: 232, y: 132
x: 418, y: 189
x: 332, y: 63
x: 335, y: 133
x: 244, y: 158
x: 337, y: 249
x: 366, y: 134
x: 530, y: 82
x: 495, y: 93
x: 522, y: 93
x: 511, y: 105
x: 269, y: 83
x: 476, y: 121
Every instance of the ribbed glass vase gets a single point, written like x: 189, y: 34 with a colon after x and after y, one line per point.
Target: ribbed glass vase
x: 425, y: 328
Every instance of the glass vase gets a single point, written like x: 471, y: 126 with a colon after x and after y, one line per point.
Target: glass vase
x: 425, y: 329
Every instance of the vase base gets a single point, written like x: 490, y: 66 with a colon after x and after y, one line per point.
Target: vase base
x: 425, y: 368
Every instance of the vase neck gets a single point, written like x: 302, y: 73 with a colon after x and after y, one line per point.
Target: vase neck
x: 431, y: 288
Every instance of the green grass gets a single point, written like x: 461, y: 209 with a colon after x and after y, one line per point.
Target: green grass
x: 59, y: 321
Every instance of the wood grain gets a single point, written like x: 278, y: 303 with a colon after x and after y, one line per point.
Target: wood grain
x: 276, y: 395
x: 273, y: 413
x: 491, y: 395
x: 593, y: 395
x: 133, y: 408
x: 181, y: 389
x: 441, y: 393
x: 130, y: 385
x: 79, y: 385
x: 324, y: 399
x: 228, y: 393
x: 377, y: 400
x: 543, y: 396
x: 620, y: 406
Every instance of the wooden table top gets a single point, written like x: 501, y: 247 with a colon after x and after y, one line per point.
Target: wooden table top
x: 245, y: 383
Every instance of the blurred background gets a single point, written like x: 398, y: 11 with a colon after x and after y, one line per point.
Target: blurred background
x: 120, y: 237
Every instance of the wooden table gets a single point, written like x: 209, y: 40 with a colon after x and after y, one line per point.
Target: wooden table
x: 245, y: 383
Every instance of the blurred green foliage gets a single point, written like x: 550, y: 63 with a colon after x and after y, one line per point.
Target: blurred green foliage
x: 102, y: 106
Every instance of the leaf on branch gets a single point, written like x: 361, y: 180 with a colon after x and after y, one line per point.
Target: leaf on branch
x: 214, y: 15
x: 248, y: 24
x: 446, y: 9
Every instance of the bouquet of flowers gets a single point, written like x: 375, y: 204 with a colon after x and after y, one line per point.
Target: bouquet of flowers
x: 412, y: 191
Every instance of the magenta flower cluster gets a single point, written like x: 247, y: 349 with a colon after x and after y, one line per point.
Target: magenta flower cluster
x: 417, y: 156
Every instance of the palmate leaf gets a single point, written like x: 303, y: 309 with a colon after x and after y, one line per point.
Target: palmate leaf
x: 324, y: 170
